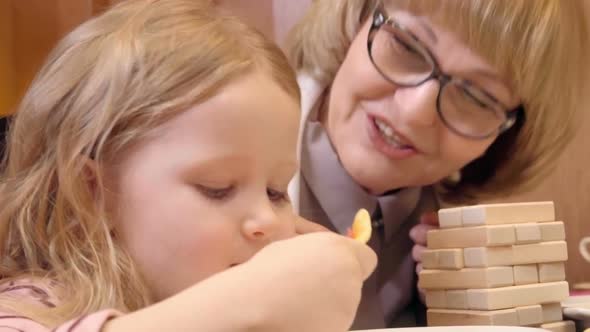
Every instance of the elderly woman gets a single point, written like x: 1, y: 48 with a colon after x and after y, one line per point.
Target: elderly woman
x: 409, y: 103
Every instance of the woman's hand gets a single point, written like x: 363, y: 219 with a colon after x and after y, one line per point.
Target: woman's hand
x: 428, y: 221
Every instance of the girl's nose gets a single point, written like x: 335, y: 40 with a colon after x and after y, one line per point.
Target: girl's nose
x: 262, y: 225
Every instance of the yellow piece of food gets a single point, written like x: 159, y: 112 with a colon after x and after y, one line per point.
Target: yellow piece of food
x: 361, y: 226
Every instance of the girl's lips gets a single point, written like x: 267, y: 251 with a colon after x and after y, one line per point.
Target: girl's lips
x: 381, y: 144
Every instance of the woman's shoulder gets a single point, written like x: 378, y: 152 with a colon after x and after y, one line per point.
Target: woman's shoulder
x: 311, y: 89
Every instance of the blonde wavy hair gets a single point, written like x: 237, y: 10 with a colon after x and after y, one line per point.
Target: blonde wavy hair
x: 542, y: 46
x: 106, y: 86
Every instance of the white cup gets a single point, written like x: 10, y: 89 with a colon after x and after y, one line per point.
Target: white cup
x: 583, y: 247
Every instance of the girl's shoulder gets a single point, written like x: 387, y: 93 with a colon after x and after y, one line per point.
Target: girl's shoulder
x: 37, y: 291
x: 29, y: 291
x: 41, y: 292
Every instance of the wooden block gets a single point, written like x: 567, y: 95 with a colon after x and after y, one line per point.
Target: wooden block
x: 527, y: 233
x: 552, y: 231
x: 456, y: 299
x: 552, y: 312
x: 482, y: 236
x: 516, y: 296
x: 525, y: 274
x: 544, y: 252
x: 513, y: 213
x: 530, y: 315
x: 436, y: 299
x: 467, y: 278
x: 549, y: 272
x: 482, y: 257
x: 449, y: 218
x: 563, y: 326
x: 450, y: 259
x: 442, y: 259
x: 444, y: 317
x: 430, y: 259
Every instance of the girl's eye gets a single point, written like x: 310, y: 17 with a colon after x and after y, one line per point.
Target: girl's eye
x: 277, y: 196
x: 216, y: 193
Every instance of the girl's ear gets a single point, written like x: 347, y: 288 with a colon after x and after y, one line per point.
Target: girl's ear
x: 98, y: 188
x: 90, y: 176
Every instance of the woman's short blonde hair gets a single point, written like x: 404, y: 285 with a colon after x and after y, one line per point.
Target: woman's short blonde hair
x: 542, y: 46
x: 107, y: 85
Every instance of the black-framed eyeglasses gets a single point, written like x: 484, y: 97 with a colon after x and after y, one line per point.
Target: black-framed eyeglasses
x: 405, y: 61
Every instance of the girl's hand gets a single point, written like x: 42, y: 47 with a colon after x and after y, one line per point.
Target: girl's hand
x: 320, y: 273
x: 304, y: 226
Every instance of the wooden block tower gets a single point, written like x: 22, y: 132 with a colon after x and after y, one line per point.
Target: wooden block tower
x: 497, y: 264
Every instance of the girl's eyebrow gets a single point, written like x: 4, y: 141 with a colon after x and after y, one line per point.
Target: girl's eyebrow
x: 215, y: 161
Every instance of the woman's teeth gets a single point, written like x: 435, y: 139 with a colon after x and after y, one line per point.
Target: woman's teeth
x: 390, y: 136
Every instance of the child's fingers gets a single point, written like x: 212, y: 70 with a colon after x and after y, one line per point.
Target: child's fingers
x: 304, y: 226
x: 366, y: 257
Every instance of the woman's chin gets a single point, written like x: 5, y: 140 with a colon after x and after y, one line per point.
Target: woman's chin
x: 372, y: 177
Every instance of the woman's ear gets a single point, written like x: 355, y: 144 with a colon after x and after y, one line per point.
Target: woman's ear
x: 455, y: 177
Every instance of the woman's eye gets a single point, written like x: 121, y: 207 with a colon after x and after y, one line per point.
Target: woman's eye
x: 405, y: 46
x: 216, y: 193
x: 470, y: 96
x: 277, y: 196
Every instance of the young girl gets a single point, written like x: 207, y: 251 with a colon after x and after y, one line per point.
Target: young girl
x: 146, y: 171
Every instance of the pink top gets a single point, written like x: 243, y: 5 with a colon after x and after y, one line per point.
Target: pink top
x: 11, y: 322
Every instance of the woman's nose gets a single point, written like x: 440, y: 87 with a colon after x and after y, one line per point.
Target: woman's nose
x: 417, y: 106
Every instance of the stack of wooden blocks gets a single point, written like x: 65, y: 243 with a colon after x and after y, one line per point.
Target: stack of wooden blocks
x: 497, y: 264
